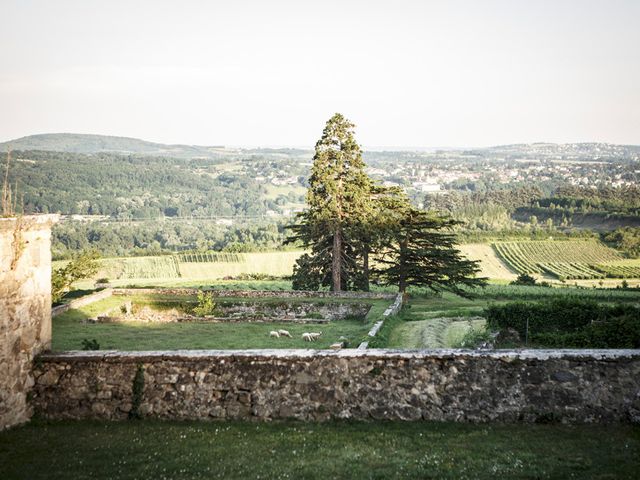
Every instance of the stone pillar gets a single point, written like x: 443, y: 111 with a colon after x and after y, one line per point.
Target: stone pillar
x: 25, y: 308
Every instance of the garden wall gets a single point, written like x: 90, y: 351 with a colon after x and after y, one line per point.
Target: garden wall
x: 528, y: 386
x: 253, y: 293
x: 25, y: 308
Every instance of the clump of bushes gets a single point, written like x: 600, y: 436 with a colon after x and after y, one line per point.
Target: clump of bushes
x: 206, y: 305
x: 569, y: 322
x: 475, y: 338
x: 524, y: 279
x: 527, y: 280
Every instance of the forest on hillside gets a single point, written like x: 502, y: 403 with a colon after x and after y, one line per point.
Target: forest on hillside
x: 491, y: 196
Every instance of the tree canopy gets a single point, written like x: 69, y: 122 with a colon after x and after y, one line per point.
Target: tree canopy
x: 349, y: 219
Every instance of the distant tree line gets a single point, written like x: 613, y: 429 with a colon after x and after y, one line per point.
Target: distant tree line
x: 604, y: 208
x: 157, y: 238
x: 131, y: 187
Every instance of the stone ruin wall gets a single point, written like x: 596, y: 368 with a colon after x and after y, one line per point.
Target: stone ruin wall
x: 511, y: 386
x: 255, y: 293
x: 25, y: 308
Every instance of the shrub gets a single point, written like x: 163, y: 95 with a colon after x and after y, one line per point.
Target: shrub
x: 206, y: 305
x: 82, y: 266
x: 90, y: 344
x: 524, y: 279
x: 475, y: 338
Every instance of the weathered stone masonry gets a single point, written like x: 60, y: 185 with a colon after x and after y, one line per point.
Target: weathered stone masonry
x: 25, y: 308
x: 571, y: 386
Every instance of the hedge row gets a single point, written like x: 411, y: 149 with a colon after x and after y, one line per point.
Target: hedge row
x: 569, y: 322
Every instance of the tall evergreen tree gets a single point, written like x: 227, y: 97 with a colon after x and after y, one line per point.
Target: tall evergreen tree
x: 421, y: 252
x: 338, y: 203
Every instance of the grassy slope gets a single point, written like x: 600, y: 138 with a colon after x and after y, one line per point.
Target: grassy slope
x: 381, y: 450
x: 491, y: 265
x: 69, y: 331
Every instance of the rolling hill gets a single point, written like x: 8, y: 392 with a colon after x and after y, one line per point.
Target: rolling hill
x: 89, y: 144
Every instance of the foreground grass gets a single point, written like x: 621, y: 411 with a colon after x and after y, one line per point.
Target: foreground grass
x: 189, y: 450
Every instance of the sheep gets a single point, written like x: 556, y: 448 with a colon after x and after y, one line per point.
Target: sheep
x: 284, y: 333
x: 336, y: 346
x: 311, y: 336
x: 315, y: 335
x: 274, y: 334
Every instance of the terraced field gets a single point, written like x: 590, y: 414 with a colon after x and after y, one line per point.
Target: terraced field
x: 620, y: 269
x: 196, y: 266
x: 571, y: 259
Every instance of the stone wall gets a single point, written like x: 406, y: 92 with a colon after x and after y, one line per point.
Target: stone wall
x: 527, y: 386
x: 391, y: 310
x: 25, y: 308
x: 254, y: 293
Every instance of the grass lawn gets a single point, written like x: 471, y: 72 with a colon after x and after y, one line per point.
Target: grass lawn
x: 345, y: 450
x: 69, y: 330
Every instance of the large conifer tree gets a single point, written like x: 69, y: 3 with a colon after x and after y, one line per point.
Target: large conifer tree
x: 421, y: 251
x: 338, y: 202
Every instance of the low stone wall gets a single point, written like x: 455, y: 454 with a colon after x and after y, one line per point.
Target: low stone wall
x: 392, y: 309
x: 244, y: 312
x: 253, y: 293
x: 82, y: 301
x: 527, y: 386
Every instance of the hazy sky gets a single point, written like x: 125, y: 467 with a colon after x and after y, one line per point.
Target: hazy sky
x: 408, y: 73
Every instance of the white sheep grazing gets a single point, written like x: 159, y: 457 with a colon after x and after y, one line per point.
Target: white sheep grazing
x: 274, y: 334
x: 315, y: 335
x: 307, y: 337
x: 284, y: 333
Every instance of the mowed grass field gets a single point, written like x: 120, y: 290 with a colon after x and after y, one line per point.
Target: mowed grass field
x: 435, y: 321
x: 70, y: 329
x: 336, y: 450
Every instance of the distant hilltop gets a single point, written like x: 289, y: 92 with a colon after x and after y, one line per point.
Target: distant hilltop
x: 90, y: 144
x: 87, y: 144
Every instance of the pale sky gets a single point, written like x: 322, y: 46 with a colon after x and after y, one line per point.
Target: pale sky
x: 270, y: 73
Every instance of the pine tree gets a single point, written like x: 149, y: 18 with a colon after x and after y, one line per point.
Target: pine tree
x: 421, y: 253
x: 338, y: 204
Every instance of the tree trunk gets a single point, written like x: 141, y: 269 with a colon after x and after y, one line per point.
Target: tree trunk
x: 365, y: 268
x: 402, y: 283
x: 336, y: 261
